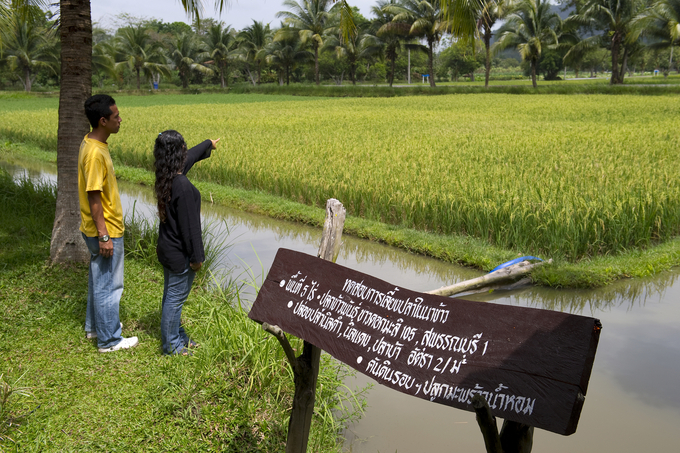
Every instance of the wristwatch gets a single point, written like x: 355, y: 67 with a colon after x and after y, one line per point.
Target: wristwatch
x: 104, y: 238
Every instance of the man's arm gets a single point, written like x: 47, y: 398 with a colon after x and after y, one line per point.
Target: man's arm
x: 96, y: 209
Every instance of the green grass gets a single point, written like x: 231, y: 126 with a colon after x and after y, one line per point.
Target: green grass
x: 233, y: 395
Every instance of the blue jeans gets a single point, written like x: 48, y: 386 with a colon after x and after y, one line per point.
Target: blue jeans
x: 104, y: 289
x: 176, y: 287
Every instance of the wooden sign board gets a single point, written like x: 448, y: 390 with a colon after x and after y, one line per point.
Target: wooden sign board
x: 531, y: 365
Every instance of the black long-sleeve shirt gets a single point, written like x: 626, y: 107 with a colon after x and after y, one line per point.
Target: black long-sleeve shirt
x: 179, y: 236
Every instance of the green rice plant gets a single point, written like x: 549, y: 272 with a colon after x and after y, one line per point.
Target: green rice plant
x: 567, y: 177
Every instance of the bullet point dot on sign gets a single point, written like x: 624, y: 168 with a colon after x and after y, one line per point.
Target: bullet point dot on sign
x: 360, y: 359
x: 283, y: 282
x: 290, y: 304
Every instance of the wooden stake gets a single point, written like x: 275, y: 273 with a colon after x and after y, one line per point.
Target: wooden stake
x: 306, y: 366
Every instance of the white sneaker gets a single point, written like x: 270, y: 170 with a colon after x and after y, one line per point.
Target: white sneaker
x: 93, y: 334
x: 125, y: 343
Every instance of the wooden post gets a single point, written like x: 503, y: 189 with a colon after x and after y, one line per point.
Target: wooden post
x: 514, y: 438
x: 487, y: 424
x: 306, y: 365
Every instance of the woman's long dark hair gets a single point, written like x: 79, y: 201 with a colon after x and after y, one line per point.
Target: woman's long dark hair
x: 170, y: 152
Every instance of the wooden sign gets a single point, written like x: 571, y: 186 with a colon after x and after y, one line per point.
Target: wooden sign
x: 531, y: 365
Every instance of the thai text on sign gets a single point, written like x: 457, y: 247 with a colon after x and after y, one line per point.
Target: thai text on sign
x: 531, y: 365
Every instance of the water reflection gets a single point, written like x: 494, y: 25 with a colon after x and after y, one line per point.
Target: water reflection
x: 631, y: 405
x: 630, y: 293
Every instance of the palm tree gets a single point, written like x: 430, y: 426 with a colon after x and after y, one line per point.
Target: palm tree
x: 426, y: 20
x: 140, y: 53
x: 286, y: 53
x: 614, y: 18
x: 311, y: 19
x: 252, y: 41
x: 660, y: 24
x: 28, y: 46
x: 220, y: 41
x: 389, y: 36
x: 356, y: 47
x: 103, y: 59
x: 491, y: 13
x: 75, y: 87
x: 188, y: 55
x: 531, y: 27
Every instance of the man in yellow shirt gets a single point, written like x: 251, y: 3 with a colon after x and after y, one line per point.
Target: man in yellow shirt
x: 102, y: 226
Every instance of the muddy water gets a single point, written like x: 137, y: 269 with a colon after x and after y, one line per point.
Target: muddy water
x: 632, y: 404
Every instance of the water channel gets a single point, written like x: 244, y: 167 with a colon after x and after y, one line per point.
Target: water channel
x: 631, y: 405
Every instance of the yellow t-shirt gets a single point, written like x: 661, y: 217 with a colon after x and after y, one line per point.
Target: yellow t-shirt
x: 95, y: 172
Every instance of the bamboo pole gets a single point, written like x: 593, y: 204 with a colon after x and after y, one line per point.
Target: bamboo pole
x: 506, y: 273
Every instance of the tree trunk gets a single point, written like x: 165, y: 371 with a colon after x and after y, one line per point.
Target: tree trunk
x: 534, y: 63
x: 67, y: 244
x: 616, y: 46
x: 392, y: 65
x: 139, y: 79
x: 624, y: 64
x: 222, y: 85
x: 316, y: 63
x: 431, y: 62
x: 487, y: 46
x: 27, y: 79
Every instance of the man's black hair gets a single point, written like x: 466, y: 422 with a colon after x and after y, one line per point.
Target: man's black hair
x: 98, y: 106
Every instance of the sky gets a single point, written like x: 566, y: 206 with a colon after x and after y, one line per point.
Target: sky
x: 239, y: 15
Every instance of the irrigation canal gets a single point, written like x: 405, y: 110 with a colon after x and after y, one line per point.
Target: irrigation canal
x: 632, y: 404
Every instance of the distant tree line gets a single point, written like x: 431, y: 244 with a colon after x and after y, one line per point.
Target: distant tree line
x: 534, y: 39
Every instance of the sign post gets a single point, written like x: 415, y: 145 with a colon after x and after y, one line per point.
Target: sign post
x: 531, y: 366
x: 306, y: 366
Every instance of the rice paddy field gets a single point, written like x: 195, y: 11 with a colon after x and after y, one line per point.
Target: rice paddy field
x: 568, y: 177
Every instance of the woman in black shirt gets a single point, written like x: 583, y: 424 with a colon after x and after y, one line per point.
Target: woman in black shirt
x: 180, y: 246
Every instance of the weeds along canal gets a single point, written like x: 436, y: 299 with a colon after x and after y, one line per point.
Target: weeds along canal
x: 632, y: 404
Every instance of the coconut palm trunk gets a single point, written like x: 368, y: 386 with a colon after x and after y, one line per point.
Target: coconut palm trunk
x: 616, y: 47
x: 430, y: 54
x: 392, y: 66
x: 316, y: 62
x: 76, y: 78
x: 487, y: 47
x: 27, y: 79
x: 534, y: 63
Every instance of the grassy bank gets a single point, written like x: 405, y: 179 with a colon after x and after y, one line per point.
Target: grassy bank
x: 515, y: 87
x: 589, y: 273
x: 644, y: 86
x: 233, y: 395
